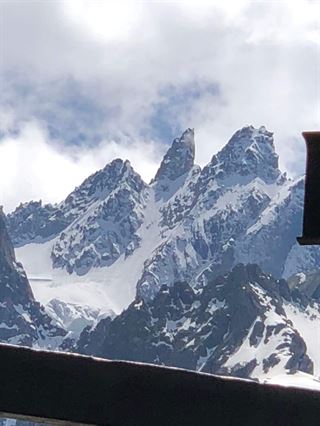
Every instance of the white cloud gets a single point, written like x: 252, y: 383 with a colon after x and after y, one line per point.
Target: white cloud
x: 7, y: 119
x: 106, y: 21
x: 32, y: 169
x: 262, y: 56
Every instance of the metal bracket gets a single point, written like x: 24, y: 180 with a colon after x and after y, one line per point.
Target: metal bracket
x: 311, y: 216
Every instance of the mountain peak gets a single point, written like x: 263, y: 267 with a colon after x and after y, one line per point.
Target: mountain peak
x: 187, y: 137
x: 179, y: 159
x: 103, y: 182
x: 250, y: 151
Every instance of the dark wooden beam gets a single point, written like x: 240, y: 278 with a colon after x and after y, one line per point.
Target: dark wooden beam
x: 311, y: 216
x: 69, y: 388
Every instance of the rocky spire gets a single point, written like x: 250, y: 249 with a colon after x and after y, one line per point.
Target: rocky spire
x: 179, y: 159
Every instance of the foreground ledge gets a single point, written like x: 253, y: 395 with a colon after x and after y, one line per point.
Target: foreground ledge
x: 63, y: 388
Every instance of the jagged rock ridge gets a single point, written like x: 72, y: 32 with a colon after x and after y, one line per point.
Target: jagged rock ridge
x: 236, y: 325
x: 22, y: 319
x: 230, y: 211
x: 215, y: 217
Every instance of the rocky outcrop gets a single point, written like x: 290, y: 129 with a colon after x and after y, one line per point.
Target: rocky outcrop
x: 236, y: 325
x: 23, y: 320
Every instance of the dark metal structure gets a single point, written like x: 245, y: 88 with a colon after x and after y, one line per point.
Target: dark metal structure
x: 63, y: 388
x: 311, y: 218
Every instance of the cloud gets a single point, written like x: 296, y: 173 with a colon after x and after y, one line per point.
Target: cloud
x: 31, y: 168
x: 177, y: 103
x: 87, y: 73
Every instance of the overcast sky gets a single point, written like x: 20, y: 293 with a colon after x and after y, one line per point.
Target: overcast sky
x: 83, y: 82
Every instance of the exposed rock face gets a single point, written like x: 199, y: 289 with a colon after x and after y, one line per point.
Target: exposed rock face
x: 101, y: 217
x: 108, y: 228
x: 34, y: 222
x: 250, y: 152
x: 178, y: 160
x: 235, y: 325
x: 22, y: 319
x: 271, y: 239
x: 14, y: 283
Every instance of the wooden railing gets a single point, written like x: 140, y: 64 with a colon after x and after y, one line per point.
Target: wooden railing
x: 60, y: 388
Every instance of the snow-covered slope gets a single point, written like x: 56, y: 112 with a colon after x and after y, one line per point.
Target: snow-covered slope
x: 106, y: 288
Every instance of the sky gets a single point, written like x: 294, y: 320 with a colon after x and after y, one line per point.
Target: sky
x: 84, y: 82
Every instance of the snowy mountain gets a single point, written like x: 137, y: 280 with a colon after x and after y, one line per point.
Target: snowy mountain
x: 23, y: 320
x: 245, y: 323
x: 115, y: 230
x: 119, y: 244
x: 103, y: 213
x: 231, y: 211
